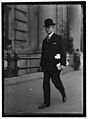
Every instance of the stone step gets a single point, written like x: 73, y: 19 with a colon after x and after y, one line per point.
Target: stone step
x: 27, y: 77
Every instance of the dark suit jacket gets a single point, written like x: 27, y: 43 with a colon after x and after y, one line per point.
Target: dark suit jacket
x: 55, y: 46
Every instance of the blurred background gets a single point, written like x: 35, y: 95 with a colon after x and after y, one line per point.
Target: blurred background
x: 23, y: 32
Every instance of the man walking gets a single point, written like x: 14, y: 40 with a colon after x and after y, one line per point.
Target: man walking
x: 53, y: 60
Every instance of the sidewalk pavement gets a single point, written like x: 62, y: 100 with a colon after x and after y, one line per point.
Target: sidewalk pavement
x: 25, y: 97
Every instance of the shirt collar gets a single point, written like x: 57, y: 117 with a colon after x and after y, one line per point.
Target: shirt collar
x: 50, y: 35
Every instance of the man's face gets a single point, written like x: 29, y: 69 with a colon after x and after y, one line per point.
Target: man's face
x: 49, y: 29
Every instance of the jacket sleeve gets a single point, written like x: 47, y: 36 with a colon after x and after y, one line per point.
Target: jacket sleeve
x: 63, y: 52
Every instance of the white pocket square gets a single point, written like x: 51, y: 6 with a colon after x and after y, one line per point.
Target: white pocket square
x: 57, y: 56
x: 54, y: 43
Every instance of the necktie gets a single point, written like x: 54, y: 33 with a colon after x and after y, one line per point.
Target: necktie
x: 48, y: 38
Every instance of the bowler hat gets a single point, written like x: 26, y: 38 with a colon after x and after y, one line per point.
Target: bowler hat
x: 48, y: 22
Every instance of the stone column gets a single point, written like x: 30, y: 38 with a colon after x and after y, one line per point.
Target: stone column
x: 75, y: 20
x: 61, y: 15
x: 6, y: 26
x: 32, y: 27
x: 45, y: 11
x: 59, y: 18
x: 81, y: 39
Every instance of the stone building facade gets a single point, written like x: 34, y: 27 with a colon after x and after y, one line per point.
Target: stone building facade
x: 24, y: 31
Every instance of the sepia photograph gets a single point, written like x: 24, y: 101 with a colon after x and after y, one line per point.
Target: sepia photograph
x: 44, y: 60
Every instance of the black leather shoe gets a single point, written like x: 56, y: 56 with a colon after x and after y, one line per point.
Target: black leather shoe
x: 44, y: 105
x: 64, y: 99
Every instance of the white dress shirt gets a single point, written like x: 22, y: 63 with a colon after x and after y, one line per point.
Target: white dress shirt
x: 49, y: 36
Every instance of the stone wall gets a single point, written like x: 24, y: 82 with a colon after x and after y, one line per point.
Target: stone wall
x: 23, y: 32
x: 26, y: 29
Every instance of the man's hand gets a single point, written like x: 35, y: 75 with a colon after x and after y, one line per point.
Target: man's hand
x: 62, y: 67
